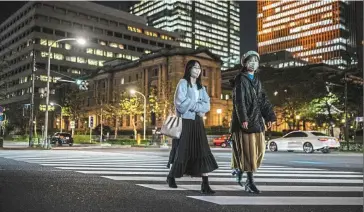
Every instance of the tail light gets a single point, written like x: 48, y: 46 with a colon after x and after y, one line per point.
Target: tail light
x: 323, y: 139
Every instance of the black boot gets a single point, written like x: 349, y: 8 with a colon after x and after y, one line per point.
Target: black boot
x: 205, y: 187
x: 171, y: 182
x: 239, y: 176
x: 250, y: 185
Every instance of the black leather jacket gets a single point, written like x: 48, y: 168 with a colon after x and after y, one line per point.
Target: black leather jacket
x: 250, y: 104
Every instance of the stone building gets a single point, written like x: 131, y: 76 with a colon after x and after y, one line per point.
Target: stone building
x: 159, y: 71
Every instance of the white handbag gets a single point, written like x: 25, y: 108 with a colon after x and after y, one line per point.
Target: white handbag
x: 172, y: 127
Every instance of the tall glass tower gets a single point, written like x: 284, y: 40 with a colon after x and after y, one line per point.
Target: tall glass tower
x: 314, y: 31
x: 211, y: 24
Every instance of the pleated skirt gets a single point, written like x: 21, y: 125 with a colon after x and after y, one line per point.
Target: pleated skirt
x: 248, y: 151
x: 192, y: 155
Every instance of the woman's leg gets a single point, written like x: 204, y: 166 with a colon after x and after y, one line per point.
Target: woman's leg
x: 205, y: 187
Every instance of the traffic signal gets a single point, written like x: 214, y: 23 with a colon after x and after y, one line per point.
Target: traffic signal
x: 83, y: 85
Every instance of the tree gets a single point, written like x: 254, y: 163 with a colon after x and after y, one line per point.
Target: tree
x: 131, y: 106
x: 73, y: 102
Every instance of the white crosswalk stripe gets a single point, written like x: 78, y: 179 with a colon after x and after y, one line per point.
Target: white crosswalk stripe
x: 283, y: 184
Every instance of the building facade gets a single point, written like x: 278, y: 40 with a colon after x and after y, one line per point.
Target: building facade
x: 27, y: 34
x: 159, y: 72
x: 211, y: 24
x: 314, y: 31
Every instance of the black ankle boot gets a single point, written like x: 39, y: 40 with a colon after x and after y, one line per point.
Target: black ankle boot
x: 250, y: 185
x: 238, y: 175
x: 171, y: 182
x: 205, y: 187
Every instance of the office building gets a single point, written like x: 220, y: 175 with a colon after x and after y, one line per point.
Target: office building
x: 211, y: 24
x: 27, y: 34
x: 314, y: 31
x: 159, y: 72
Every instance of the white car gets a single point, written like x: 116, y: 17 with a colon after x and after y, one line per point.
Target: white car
x: 307, y: 141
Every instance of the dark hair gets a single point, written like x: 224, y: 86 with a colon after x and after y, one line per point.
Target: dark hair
x: 187, y: 75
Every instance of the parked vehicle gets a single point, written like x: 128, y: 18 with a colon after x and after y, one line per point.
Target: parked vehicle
x: 62, y: 138
x: 306, y: 141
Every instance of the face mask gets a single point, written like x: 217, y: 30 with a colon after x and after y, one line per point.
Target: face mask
x: 253, y: 66
x: 195, y: 72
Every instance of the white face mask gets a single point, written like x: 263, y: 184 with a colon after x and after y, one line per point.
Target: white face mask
x: 195, y: 71
x: 253, y: 65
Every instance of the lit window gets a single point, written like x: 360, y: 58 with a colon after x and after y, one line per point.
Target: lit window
x: 99, y: 52
x: 114, y: 45
x: 101, y: 63
x: 122, y: 81
x: 103, y: 43
x: 119, y: 56
x: 44, y: 54
x: 109, y: 54
x: 67, y: 46
x: 92, y: 62
x: 81, y: 60
x: 75, y: 71
x: 71, y: 59
x: 121, y: 46
x: 43, y: 42
x: 89, y: 51
x: 58, y: 56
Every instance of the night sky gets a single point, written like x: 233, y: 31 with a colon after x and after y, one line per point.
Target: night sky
x: 247, y: 18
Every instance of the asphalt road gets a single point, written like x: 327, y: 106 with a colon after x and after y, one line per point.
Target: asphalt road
x: 134, y: 180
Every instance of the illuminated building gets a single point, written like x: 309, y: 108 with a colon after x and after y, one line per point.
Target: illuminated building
x: 211, y: 24
x: 34, y: 27
x: 314, y: 31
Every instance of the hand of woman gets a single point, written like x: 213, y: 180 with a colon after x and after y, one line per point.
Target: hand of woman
x: 245, y: 125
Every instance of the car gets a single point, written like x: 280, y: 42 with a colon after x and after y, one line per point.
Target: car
x: 306, y: 141
x: 62, y: 138
x: 222, y: 141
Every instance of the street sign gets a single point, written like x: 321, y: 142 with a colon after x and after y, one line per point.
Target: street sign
x: 91, y: 122
x: 72, y: 124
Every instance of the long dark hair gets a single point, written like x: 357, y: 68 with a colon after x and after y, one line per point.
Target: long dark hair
x: 187, y: 75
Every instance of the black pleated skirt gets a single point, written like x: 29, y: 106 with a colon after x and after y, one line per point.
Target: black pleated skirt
x: 192, y: 155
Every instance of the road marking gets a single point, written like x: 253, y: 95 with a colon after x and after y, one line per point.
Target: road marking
x: 307, y: 162
x: 258, y: 180
x: 146, y: 173
x: 164, y: 187
x: 269, y: 200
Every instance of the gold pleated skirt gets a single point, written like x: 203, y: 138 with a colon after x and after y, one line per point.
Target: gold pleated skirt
x: 248, y: 151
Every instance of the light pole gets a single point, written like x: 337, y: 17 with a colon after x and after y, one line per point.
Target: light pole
x: 80, y: 41
x: 52, y: 103
x: 145, y: 109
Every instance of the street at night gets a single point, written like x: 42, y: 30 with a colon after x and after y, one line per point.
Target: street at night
x: 134, y: 180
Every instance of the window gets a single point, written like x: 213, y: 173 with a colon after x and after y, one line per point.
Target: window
x: 102, y: 43
x: 71, y: 59
x: 99, y: 52
x: 58, y: 56
x: 67, y: 46
x: 121, y: 46
x: 47, y: 30
x: 101, y: 63
x: 122, y: 81
x: 109, y: 54
x: 119, y: 35
x: 296, y: 134
x: 81, y: 60
x: 92, y: 62
x: 129, y: 78
x: 43, y: 42
x: 114, y: 45
x: 89, y: 51
x: 318, y: 134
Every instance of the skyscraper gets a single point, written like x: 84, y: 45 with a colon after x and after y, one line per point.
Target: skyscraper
x: 212, y: 24
x: 314, y: 31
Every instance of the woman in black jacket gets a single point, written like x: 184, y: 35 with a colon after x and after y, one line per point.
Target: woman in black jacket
x: 252, y: 110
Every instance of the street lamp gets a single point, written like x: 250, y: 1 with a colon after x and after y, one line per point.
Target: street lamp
x: 133, y: 92
x: 81, y: 41
x: 52, y: 103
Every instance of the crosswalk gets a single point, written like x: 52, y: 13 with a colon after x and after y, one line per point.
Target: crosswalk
x: 281, y: 185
